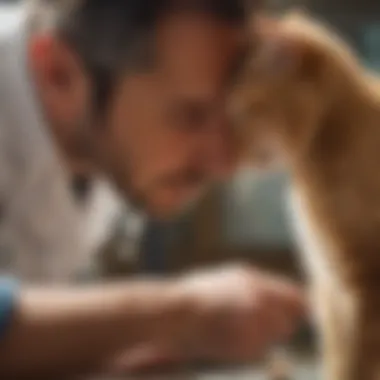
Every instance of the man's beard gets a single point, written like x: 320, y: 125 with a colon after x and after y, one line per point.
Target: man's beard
x: 90, y: 145
x: 119, y: 177
x: 141, y: 201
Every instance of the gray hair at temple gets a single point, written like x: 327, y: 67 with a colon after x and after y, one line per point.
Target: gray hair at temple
x: 117, y: 36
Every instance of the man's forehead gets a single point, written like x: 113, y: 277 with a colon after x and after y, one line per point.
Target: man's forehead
x: 196, y: 52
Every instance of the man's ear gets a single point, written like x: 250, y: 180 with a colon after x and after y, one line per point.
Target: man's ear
x: 60, y: 77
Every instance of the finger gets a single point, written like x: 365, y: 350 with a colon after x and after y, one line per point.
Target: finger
x: 291, y: 296
x: 259, y: 337
x: 250, y: 330
x: 248, y: 336
x: 276, y: 324
x: 278, y: 315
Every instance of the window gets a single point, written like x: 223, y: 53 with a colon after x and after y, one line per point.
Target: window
x: 255, y: 212
x: 371, y: 44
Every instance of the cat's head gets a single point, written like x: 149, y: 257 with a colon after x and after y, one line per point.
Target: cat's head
x: 285, y: 87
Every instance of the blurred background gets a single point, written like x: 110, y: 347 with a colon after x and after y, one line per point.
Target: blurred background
x: 244, y: 219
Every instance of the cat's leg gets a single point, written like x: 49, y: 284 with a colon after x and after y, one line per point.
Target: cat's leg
x: 366, y: 356
x: 335, y: 315
x: 349, y: 334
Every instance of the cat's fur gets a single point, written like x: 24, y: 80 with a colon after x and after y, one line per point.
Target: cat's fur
x: 305, y: 100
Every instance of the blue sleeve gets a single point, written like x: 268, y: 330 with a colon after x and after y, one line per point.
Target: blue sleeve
x: 8, y: 290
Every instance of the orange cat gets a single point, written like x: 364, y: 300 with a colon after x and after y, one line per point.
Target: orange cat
x: 305, y: 101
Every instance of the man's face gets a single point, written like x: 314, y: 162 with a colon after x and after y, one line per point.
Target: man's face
x: 165, y: 135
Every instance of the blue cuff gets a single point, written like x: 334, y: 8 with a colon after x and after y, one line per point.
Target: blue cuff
x: 8, y: 290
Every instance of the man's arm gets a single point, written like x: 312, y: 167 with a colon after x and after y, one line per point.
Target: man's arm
x: 229, y: 314
x: 54, y: 332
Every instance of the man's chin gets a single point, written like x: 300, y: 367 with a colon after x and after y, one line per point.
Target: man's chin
x: 156, y: 209
x: 165, y: 211
x: 167, y: 204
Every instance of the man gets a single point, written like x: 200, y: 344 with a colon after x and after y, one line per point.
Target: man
x: 133, y: 92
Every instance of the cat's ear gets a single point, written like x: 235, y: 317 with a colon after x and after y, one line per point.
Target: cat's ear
x: 285, y: 55
x: 297, y: 13
x: 277, y: 55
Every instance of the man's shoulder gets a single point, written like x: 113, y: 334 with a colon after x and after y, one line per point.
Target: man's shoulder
x: 11, y: 14
x: 23, y: 139
x: 11, y: 25
x: 8, y: 164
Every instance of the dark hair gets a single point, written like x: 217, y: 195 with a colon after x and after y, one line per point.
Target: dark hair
x: 111, y: 36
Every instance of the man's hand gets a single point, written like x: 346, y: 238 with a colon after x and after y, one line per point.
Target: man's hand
x: 241, y: 313
x: 237, y: 314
